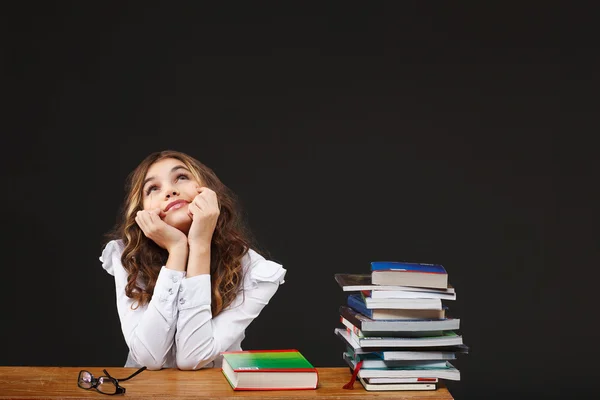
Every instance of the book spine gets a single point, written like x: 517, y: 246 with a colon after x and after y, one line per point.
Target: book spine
x: 356, y: 303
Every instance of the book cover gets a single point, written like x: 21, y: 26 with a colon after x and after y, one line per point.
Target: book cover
x: 408, y: 267
x: 269, y: 370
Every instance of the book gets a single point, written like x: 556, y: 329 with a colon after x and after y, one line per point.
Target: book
x: 448, y: 338
x: 359, y: 282
x: 448, y: 372
x: 409, y: 274
x: 361, y: 333
x: 268, y: 370
x: 408, y: 294
x: 356, y: 302
x: 408, y: 304
x: 396, y: 386
x: 373, y: 327
x: 405, y: 353
x: 400, y: 380
x: 372, y: 360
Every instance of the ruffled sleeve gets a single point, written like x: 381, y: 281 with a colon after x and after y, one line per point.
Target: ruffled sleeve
x: 111, y: 255
x: 258, y: 269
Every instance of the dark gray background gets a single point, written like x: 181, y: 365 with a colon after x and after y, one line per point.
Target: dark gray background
x: 433, y: 132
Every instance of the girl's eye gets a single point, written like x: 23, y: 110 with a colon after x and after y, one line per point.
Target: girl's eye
x: 150, y: 189
x: 182, y: 176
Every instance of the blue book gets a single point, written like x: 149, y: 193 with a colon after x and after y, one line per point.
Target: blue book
x: 395, y: 273
x: 407, y: 266
x: 356, y: 302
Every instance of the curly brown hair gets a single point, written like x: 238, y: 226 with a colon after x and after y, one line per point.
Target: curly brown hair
x: 142, y: 258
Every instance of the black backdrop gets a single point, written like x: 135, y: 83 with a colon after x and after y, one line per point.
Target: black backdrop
x: 428, y: 132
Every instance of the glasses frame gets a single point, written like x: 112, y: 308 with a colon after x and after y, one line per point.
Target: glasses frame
x: 95, y: 382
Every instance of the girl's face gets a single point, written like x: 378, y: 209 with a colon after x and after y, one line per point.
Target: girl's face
x: 170, y: 187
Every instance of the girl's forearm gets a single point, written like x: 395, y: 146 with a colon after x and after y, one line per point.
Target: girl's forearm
x: 178, y: 258
x: 198, y: 261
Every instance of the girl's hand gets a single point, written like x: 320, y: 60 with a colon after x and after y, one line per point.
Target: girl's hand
x: 204, y: 211
x: 159, y: 231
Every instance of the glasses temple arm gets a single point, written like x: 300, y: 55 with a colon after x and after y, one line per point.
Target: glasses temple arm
x: 129, y: 377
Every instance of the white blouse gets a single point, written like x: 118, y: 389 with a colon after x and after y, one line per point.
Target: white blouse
x: 176, y: 328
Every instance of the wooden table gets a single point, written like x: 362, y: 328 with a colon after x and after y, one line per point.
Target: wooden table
x: 53, y: 383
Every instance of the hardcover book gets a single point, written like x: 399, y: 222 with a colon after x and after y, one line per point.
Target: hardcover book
x: 409, y: 274
x: 284, y: 369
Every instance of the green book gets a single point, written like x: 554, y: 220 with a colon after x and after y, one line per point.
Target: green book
x: 269, y: 370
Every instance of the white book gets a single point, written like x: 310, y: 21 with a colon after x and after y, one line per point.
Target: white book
x: 401, y: 380
x: 406, y: 294
x: 388, y: 354
x: 406, y: 304
x: 396, y: 386
x: 361, y: 333
x: 449, y: 338
x: 450, y: 372
x: 380, y: 363
x: 366, y: 324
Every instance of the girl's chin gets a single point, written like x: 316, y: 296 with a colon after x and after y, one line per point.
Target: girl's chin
x: 182, y: 223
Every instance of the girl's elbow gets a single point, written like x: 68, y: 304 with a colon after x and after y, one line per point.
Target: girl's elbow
x: 148, y: 360
x: 192, y: 363
x: 153, y: 366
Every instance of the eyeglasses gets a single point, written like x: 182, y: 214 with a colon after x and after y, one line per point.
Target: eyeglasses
x: 105, y: 384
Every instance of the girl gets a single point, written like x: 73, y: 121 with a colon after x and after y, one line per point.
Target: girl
x: 187, y: 281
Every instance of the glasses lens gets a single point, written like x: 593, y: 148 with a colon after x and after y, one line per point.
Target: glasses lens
x: 85, y: 379
x: 106, y: 385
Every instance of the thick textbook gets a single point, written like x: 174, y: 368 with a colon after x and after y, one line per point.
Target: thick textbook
x: 356, y: 302
x: 269, y: 370
x: 409, y: 274
x: 372, y: 327
x: 360, y: 282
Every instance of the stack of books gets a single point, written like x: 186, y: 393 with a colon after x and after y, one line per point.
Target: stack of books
x: 397, y: 329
